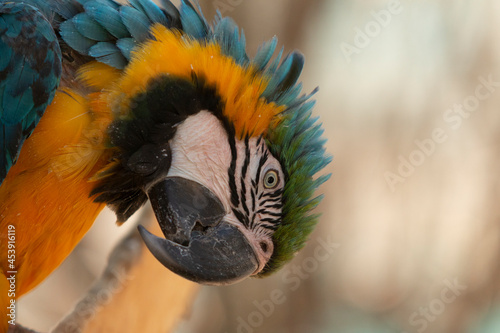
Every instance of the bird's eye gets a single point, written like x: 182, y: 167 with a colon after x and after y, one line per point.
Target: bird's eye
x: 271, y: 179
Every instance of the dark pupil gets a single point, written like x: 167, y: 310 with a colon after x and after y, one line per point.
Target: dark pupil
x: 270, y: 180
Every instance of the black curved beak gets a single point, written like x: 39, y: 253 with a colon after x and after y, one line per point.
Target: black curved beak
x: 199, y: 245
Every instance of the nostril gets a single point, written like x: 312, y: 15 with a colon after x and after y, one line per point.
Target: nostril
x: 264, y: 247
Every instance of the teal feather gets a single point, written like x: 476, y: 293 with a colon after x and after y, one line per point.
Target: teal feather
x: 290, y: 96
x: 171, y: 11
x: 82, y: 2
x: 109, y: 3
x: 284, y: 77
x: 108, y: 53
x: 278, y: 76
x: 124, y: 26
x: 89, y: 28
x: 155, y: 14
x: 241, y: 46
x: 74, y: 38
x: 107, y: 17
x: 126, y: 46
x: 152, y: 11
x: 64, y: 8
x: 192, y: 23
x: 30, y: 69
x: 273, y: 66
x: 41, y: 5
x: 137, y: 4
x: 16, y: 105
x: 137, y: 23
x: 5, y: 51
x: 227, y: 34
x: 302, y: 99
x: 265, y: 53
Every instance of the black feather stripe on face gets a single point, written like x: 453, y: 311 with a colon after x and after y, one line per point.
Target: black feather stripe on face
x: 257, y: 208
x: 144, y: 135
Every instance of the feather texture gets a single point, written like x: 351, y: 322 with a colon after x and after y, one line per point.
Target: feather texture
x: 30, y: 68
x: 260, y: 96
x: 89, y: 28
x: 108, y: 53
x: 193, y: 23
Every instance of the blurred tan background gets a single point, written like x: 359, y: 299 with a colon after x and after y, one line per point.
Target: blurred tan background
x: 409, y: 237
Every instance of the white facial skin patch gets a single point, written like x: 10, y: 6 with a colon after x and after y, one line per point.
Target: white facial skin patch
x: 204, y: 155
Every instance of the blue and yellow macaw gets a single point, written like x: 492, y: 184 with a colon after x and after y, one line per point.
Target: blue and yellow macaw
x: 109, y: 104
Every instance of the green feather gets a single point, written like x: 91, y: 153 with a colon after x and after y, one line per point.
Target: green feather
x: 297, y: 143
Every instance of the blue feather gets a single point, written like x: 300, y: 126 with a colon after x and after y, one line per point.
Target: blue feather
x: 290, y: 96
x: 136, y: 4
x: 271, y: 69
x: 126, y: 46
x: 41, y: 5
x: 265, y: 53
x: 89, y: 28
x: 226, y: 34
x: 153, y: 12
x: 102, y: 48
x: 300, y: 100
x: 21, y: 78
x: 170, y: 9
x: 14, y: 29
x: 82, y: 2
x: 192, y: 23
x: 136, y: 22
x: 108, y: 3
x: 46, y: 32
x: 75, y: 39
x: 66, y: 9
x: 285, y: 77
x: 6, y: 53
x: 16, y: 106
x: 278, y: 76
x: 108, y: 17
x: 242, y: 45
x: 109, y: 54
x: 112, y: 3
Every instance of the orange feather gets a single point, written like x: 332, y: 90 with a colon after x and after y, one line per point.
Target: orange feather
x: 45, y: 196
x: 172, y: 53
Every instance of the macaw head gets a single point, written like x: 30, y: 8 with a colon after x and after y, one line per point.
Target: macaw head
x: 223, y: 146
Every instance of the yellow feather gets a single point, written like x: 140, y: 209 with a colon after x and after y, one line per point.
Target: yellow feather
x: 172, y: 53
x: 46, y: 193
x: 98, y: 75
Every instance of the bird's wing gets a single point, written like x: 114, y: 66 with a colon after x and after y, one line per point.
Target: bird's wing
x: 30, y: 69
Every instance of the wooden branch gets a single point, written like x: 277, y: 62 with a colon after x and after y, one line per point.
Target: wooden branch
x: 134, y: 294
